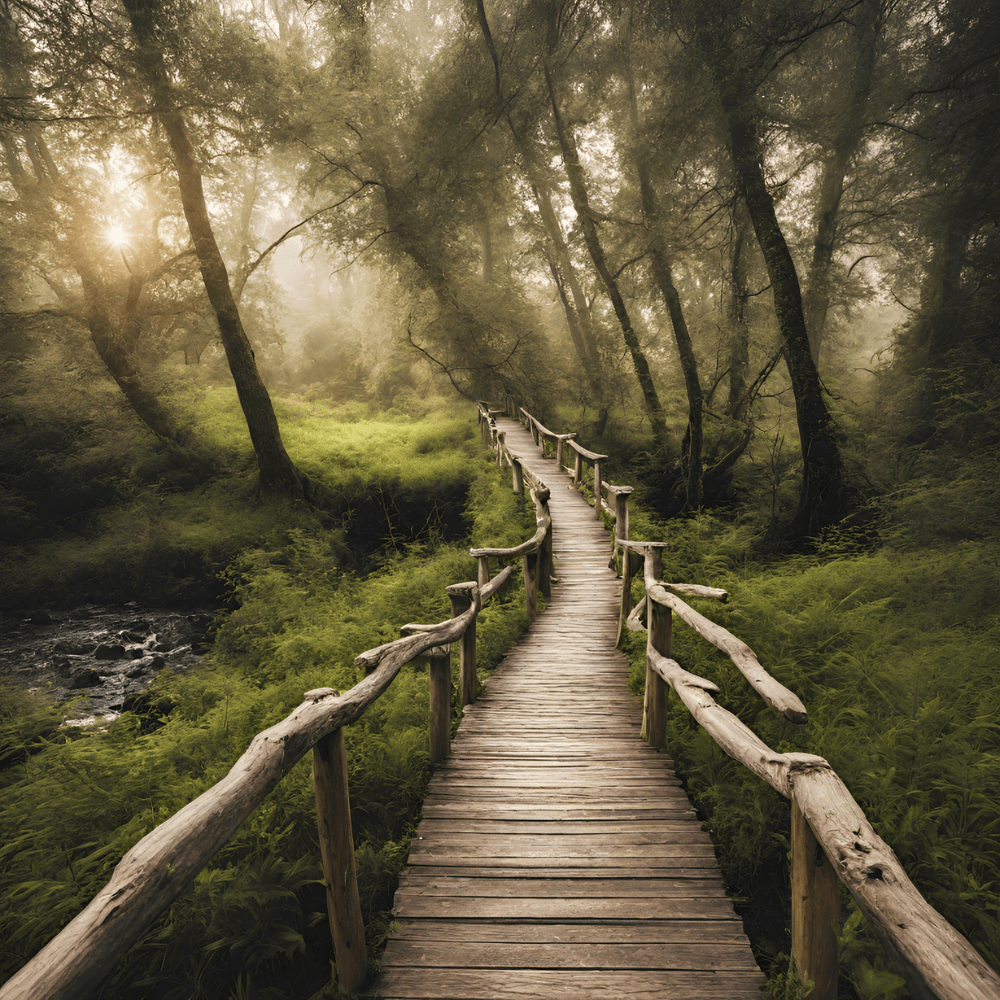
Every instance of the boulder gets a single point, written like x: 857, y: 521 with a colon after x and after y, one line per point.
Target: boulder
x: 86, y: 678
x: 109, y: 651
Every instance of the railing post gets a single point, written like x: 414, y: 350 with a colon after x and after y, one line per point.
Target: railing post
x: 529, y: 564
x: 626, y: 605
x: 518, y: 484
x: 559, y: 451
x: 461, y: 599
x: 534, y: 433
x: 597, y: 489
x: 621, y: 514
x: 483, y: 571
x: 660, y: 622
x: 336, y: 844
x: 545, y: 563
x: 578, y: 469
x: 501, y: 444
x: 439, y: 659
x: 815, y: 909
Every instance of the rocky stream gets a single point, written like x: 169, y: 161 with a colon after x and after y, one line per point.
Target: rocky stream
x: 97, y: 660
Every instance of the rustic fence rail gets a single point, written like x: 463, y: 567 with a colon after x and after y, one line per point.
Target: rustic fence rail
x: 832, y: 839
x: 166, y: 861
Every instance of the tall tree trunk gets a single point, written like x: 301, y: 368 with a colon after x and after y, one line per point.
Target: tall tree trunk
x: 834, y: 173
x: 277, y: 472
x: 581, y: 203
x: 691, y: 460
x: 736, y: 305
x: 485, y: 242
x: 821, y: 498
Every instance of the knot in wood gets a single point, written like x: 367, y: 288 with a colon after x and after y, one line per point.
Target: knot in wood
x: 319, y: 693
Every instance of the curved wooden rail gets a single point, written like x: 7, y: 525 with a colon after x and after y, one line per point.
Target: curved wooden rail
x: 827, y: 823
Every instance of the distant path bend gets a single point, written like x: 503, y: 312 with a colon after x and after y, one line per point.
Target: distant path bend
x: 558, y: 857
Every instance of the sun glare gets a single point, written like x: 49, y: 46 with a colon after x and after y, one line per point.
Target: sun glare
x: 116, y: 236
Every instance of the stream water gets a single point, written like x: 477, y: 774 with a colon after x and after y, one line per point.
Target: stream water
x: 96, y: 660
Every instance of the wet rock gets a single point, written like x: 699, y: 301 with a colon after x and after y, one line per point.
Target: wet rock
x: 109, y: 651
x: 127, y: 636
x: 64, y: 663
x: 146, y: 663
x: 135, y: 652
x: 72, y: 646
x: 86, y: 678
x: 39, y: 617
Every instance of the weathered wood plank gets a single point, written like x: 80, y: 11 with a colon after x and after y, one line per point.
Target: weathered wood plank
x: 634, y: 932
x: 570, y: 955
x: 565, y: 984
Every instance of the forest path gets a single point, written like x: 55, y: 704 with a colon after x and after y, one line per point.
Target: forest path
x: 558, y: 856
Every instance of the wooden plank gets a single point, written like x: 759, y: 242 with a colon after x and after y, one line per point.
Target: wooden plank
x: 558, y: 908
x: 566, y: 984
x: 635, y: 932
x: 567, y: 955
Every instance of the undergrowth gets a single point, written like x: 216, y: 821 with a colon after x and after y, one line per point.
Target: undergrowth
x: 893, y: 652
x: 254, y: 921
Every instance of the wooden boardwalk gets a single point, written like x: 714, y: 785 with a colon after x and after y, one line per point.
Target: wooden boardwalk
x: 557, y: 856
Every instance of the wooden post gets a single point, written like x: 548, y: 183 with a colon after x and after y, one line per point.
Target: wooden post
x: 483, y: 571
x: 461, y: 599
x: 626, y: 605
x: 529, y: 564
x: 501, y: 442
x: 534, y: 433
x: 559, y: 452
x: 578, y: 469
x: 545, y: 563
x: 518, y: 485
x: 440, y: 679
x: 597, y: 489
x: 815, y: 909
x: 660, y: 620
x: 336, y: 845
x: 621, y: 515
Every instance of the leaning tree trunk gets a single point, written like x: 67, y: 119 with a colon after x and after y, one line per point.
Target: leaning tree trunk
x: 821, y: 495
x: 738, y: 402
x: 581, y: 203
x: 833, y: 175
x: 277, y: 472
x: 691, y: 460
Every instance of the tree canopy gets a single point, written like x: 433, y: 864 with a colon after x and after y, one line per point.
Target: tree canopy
x: 718, y: 225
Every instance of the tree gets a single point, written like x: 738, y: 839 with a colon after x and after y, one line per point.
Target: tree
x: 588, y: 224
x: 691, y: 457
x: 724, y: 39
x: 277, y: 472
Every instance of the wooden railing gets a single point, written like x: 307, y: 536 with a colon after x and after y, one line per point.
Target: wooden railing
x: 831, y: 838
x: 161, y: 865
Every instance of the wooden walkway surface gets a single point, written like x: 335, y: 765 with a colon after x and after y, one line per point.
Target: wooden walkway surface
x: 557, y: 856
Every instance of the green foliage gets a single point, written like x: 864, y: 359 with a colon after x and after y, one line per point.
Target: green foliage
x: 254, y: 921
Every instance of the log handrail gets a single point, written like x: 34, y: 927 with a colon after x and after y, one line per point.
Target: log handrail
x: 157, y: 869
x: 937, y: 961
